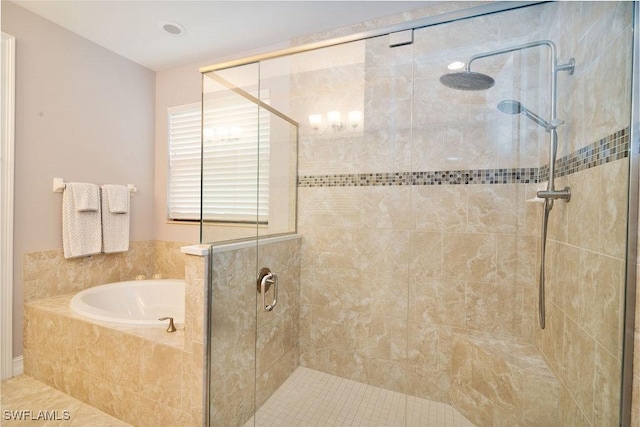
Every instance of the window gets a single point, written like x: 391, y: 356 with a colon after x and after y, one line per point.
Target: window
x: 236, y: 162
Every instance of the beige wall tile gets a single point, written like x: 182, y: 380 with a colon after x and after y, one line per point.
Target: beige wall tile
x: 122, y: 359
x: 553, y: 339
x: 494, y: 308
x: 440, y: 208
x: 89, y: 348
x: 613, y: 209
x: 167, y: 259
x: 275, y: 376
x: 426, y: 255
x: 379, y: 337
x: 423, y: 350
x: 517, y: 260
x: 498, y: 381
x: 161, y: 373
x: 356, y: 290
x: 493, y: 208
x: 579, y: 366
x: 541, y: 394
x: 275, y: 338
x: 469, y: 256
x: 606, y: 389
x: 428, y: 382
x: 437, y: 301
x: 583, y: 217
x: 600, y: 285
x: 570, y: 412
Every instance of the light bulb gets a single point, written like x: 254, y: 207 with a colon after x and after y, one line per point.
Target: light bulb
x: 315, y: 120
x: 354, y: 118
x: 334, y: 118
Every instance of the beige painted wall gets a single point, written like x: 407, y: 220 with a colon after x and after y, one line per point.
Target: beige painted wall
x: 83, y: 113
x: 177, y: 86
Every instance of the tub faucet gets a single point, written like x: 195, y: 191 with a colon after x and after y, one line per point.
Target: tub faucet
x: 172, y: 327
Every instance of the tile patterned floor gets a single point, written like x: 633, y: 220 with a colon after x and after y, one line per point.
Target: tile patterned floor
x: 26, y: 397
x: 311, y: 398
x: 308, y: 398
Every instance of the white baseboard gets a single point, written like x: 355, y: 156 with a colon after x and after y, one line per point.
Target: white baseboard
x: 18, y: 365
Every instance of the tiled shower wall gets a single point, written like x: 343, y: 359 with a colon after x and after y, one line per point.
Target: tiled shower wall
x: 395, y: 261
x: 416, y: 227
x: 585, y: 281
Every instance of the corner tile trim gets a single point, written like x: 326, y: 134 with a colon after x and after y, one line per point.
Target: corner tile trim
x: 611, y: 148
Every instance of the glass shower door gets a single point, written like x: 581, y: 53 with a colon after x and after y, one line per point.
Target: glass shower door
x: 249, y: 194
x: 422, y: 226
x: 230, y: 191
x: 277, y: 307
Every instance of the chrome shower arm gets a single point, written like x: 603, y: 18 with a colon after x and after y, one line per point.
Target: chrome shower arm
x: 553, y: 69
x: 513, y: 49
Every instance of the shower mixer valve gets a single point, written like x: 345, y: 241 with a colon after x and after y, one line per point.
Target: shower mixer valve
x: 564, y: 194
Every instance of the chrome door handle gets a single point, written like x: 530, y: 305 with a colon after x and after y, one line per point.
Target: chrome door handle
x: 265, y: 279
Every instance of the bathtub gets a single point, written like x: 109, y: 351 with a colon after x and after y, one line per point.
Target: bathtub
x: 136, y: 303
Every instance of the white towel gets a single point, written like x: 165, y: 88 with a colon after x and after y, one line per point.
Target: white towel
x: 117, y: 198
x: 81, y: 231
x: 85, y: 197
x: 115, y: 218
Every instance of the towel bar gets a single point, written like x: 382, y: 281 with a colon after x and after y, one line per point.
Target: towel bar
x: 59, y: 185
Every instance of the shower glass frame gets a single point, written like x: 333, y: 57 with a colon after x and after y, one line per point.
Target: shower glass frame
x: 632, y: 218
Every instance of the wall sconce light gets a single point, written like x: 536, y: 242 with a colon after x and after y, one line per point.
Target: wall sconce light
x: 334, y: 119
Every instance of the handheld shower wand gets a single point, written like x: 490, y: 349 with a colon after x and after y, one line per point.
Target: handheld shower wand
x: 510, y: 106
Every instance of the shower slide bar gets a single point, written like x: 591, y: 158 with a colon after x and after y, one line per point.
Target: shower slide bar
x: 470, y: 80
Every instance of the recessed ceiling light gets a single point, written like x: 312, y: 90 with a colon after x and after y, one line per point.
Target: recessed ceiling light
x: 172, y: 28
x: 456, y: 65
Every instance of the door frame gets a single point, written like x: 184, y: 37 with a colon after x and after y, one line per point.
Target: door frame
x: 7, y: 108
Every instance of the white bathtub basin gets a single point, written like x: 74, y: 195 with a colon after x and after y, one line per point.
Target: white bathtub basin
x: 136, y: 303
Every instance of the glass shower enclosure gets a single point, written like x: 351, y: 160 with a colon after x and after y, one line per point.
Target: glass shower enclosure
x: 395, y: 184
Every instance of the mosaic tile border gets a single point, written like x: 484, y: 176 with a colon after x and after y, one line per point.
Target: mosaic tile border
x: 611, y: 148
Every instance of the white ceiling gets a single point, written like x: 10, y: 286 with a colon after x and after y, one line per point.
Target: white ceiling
x: 215, y: 29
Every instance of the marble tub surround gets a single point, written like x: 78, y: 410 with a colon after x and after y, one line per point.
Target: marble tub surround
x: 122, y: 374
x: 144, y: 376
x: 48, y: 273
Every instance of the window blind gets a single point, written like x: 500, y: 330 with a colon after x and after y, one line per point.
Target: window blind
x: 235, y: 180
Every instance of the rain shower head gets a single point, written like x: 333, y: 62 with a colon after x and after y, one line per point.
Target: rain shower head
x: 509, y: 106
x: 467, y: 80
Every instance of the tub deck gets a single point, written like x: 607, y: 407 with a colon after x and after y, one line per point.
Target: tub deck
x: 141, y: 375
x: 60, y: 305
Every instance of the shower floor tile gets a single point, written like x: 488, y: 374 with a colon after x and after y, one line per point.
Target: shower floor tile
x: 313, y: 398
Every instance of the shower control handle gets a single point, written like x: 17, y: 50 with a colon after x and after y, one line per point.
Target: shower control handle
x: 564, y: 194
x: 265, y: 280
